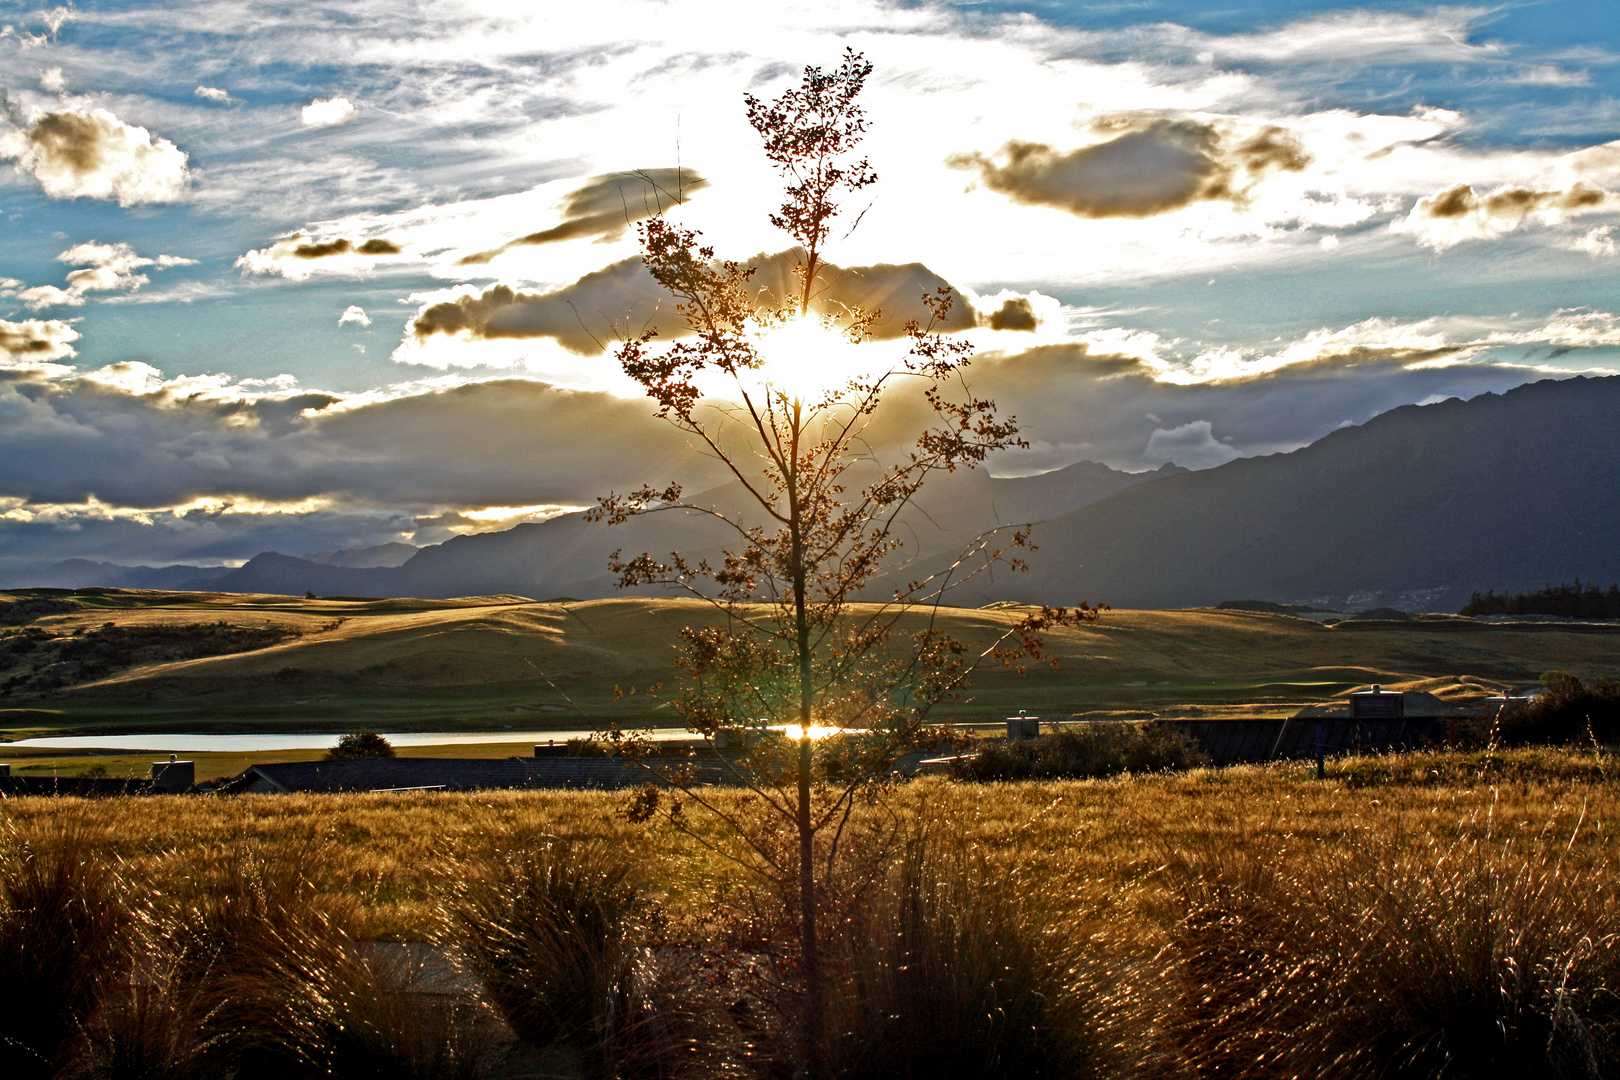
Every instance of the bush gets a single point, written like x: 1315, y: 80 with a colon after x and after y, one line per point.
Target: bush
x: 1404, y: 957
x: 364, y: 743
x: 1569, y: 712
x: 1090, y: 749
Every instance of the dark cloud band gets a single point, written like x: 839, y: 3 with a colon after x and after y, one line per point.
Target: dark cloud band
x: 623, y: 300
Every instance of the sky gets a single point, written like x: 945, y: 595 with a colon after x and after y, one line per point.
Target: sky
x: 311, y: 276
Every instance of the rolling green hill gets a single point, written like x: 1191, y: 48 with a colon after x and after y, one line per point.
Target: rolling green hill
x: 505, y: 661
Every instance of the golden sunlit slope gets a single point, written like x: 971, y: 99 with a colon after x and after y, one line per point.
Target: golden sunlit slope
x: 507, y: 661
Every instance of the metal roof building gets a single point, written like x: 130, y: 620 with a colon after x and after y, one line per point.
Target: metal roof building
x: 453, y: 774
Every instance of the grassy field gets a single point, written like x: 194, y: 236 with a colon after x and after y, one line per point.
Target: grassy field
x: 1420, y: 916
x: 399, y: 855
x: 490, y: 662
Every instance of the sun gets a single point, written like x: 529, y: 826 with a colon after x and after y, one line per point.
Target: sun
x: 808, y: 358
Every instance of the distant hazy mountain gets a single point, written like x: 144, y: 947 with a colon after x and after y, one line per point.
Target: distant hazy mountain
x: 82, y: 573
x: 567, y: 556
x: 395, y: 554
x: 1414, y: 509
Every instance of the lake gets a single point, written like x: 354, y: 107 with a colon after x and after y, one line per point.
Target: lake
x: 200, y: 744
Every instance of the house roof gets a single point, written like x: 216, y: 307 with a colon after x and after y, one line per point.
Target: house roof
x: 454, y: 774
x: 1416, y: 704
x: 87, y: 787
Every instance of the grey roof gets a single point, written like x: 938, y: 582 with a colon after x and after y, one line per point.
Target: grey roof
x: 85, y: 787
x: 1233, y: 742
x: 454, y: 774
x: 1415, y: 703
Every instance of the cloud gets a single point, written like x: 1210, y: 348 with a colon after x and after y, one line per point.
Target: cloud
x: 622, y: 300
x: 1023, y: 312
x: 1603, y: 159
x: 107, y: 268
x: 216, y: 95
x: 1458, y: 213
x: 328, y: 112
x: 1159, y: 166
x: 294, y: 256
x: 35, y: 341
x: 95, y: 155
x: 1192, y: 446
x: 125, y: 442
x: 1114, y: 392
x: 1599, y: 243
x: 1015, y: 313
x: 1360, y: 36
x: 606, y: 206
x: 354, y: 313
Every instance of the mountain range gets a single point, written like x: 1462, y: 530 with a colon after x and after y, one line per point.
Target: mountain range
x: 1414, y: 509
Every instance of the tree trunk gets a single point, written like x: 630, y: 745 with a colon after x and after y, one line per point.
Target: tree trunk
x: 815, y: 1003
x: 815, y: 993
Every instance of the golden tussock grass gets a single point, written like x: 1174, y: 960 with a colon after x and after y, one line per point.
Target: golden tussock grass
x: 1426, y: 916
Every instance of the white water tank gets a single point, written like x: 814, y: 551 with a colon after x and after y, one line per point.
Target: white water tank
x: 1023, y: 726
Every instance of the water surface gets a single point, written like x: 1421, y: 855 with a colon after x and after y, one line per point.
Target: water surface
x: 319, y: 740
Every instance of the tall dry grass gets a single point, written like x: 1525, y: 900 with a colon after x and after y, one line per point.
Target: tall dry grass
x: 259, y: 977
x: 567, y: 940
x: 65, y: 933
x: 1405, y: 954
x: 556, y: 934
x: 965, y: 967
x: 1421, y: 916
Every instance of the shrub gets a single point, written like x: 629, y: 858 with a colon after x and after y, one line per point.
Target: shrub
x: 1402, y: 957
x: 1569, y: 712
x: 364, y: 743
x: 64, y: 937
x: 1090, y: 749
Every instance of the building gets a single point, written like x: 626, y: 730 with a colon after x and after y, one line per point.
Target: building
x: 400, y: 774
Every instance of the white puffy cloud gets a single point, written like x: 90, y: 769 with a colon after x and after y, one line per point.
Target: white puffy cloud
x: 354, y: 313
x: 36, y: 341
x: 328, y: 112
x: 1458, y: 213
x: 105, y: 268
x: 216, y: 95
x: 298, y: 257
x: 95, y: 155
x: 622, y: 300
x: 1599, y: 243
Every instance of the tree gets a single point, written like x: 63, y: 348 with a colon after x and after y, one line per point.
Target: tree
x: 364, y: 743
x: 816, y: 516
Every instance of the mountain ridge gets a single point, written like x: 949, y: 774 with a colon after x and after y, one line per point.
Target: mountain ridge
x: 1415, y: 509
